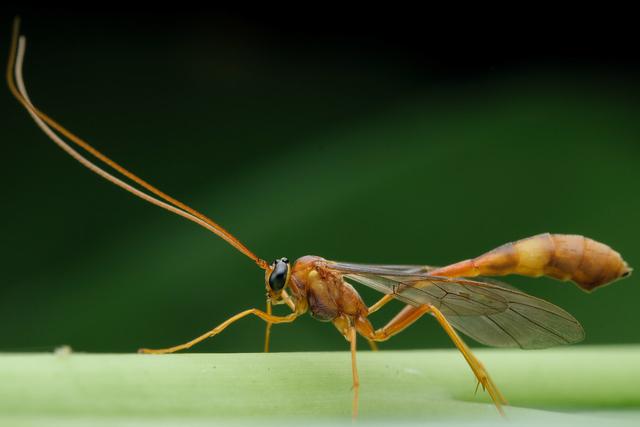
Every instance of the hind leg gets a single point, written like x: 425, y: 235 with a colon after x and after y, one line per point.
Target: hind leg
x: 410, y: 314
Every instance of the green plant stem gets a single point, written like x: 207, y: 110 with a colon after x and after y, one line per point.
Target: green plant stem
x: 394, y: 384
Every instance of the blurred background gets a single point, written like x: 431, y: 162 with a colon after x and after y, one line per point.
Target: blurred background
x: 381, y: 138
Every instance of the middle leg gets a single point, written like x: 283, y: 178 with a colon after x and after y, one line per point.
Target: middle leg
x: 346, y: 325
x: 354, y: 370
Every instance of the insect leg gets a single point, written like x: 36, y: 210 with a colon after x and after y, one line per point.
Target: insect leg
x: 375, y: 307
x: 267, y: 333
x: 354, y: 370
x: 399, y: 323
x: 478, y: 369
x: 221, y: 327
x: 348, y: 328
x: 407, y: 316
x: 381, y: 302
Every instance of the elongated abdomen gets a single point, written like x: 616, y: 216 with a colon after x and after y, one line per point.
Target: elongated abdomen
x: 584, y: 261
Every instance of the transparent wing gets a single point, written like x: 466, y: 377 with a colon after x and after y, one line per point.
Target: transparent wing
x: 489, y: 311
x: 451, y: 298
x: 399, y: 270
x: 413, y: 285
x: 528, y: 323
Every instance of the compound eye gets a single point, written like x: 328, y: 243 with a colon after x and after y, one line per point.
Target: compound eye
x: 278, y: 277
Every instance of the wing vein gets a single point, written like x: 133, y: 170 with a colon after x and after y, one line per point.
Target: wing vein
x: 539, y: 325
x: 505, y: 331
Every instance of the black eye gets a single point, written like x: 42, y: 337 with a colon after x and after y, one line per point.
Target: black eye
x: 285, y: 260
x: 278, y: 276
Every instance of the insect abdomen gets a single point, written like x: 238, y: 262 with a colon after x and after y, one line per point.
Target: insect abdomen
x: 584, y: 261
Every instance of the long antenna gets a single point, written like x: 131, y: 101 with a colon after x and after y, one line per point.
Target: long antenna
x: 14, y: 67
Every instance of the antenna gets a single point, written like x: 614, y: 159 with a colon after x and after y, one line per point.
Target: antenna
x: 46, y: 123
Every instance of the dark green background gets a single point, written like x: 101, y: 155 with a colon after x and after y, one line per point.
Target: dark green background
x: 352, y: 146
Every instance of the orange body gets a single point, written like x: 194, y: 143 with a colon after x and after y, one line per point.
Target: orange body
x: 584, y: 261
x: 323, y: 292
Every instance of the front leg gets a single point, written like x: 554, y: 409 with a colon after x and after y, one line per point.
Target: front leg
x: 221, y: 327
x: 267, y: 334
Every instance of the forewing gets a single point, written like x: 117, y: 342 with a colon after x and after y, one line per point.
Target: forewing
x: 380, y: 269
x: 489, y: 311
x: 412, y: 284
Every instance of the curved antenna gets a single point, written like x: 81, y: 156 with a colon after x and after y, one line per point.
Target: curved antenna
x: 16, y: 56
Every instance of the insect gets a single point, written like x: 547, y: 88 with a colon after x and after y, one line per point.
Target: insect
x: 458, y: 296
